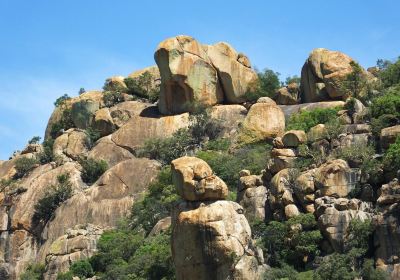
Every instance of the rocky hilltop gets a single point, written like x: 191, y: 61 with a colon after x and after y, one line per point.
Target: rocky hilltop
x: 200, y: 167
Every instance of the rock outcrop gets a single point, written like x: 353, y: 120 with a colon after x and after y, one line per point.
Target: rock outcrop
x: 323, y: 75
x: 210, y: 239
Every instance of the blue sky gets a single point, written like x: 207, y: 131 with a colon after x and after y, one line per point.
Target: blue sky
x: 48, y: 48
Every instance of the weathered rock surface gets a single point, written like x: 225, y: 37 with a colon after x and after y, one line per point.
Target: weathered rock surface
x: 264, y: 121
x: 148, y: 125
x: 234, y: 71
x: 252, y: 196
x: 212, y: 240
x: 334, y: 216
x: 294, y: 138
x: 108, y: 151
x: 103, y: 122
x: 229, y: 117
x: 161, y: 226
x: 332, y: 178
x: 76, y: 244
x: 73, y: 144
x: 389, y: 135
x: 187, y: 76
x: 323, y: 75
x: 287, y: 95
x: 154, y: 72
x: 288, y: 110
x: 194, y: 180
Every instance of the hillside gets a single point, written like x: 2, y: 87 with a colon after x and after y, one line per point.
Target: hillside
x: 201, y: 167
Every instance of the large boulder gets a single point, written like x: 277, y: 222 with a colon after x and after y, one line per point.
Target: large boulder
x: 264, y: 121
x: 229, y: 118
x: 287, y: 95
x: 389, y: 135
x: 103, y: 122
x: 148, y: 125
x: 187, y: 76
x: 294, y: 138
x: 334, y: 217
x: 108, y: 151
x: 73, y: 144
x: 212, y: 240
x: 334, y: 179
x: 78, y: 243
x: 323, y: 76
x: 234, y: 71
x: 252, y: 196
x: 194, y: 180
x: 121, y: 113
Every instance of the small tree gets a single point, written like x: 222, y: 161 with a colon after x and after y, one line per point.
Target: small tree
x: 266, y: 85
x: 92, y: 170
x: 81, y: 91
x: 23, y: 165
x: 34, y: 140
x: 61, y: 100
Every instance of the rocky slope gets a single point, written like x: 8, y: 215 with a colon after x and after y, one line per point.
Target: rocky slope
x: 211, y: 236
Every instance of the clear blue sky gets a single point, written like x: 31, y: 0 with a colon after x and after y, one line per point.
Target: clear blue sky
x: 48, y: 48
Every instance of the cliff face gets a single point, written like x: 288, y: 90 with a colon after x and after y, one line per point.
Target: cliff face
x: 211, y: 236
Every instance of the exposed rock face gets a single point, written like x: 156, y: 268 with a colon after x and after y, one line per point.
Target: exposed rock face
x: 264, y: 121
x: 389, y: 135
x: 288, y: 110
x: 323, y: 74
x: 148, y: 125
x: 108, y: 151
x: 387, y: 235
x: 103, y: 122
x: 104, y: 203
x: 187, y: 75
x: 155, y: 73
x: 332, y: 178
x: 194, y: 180
x: 281, y: 159
x: 252, y: 196
x: 161, y: 226
x: 234, y: 71
x: 83, y: 113
x: 212, y: 240
x: 317, y: 132
x: 229, y: 117
x: 78, y: 243
x: 115, y: 83
x: 294, y: 138
x: 121, y: 113
x: 200, y: 74
x: 287, y: 95
x: 71, y: 145
x: 334, y: 216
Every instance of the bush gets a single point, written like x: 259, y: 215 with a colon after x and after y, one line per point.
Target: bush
x: 266, y: 85
x: 284, y: 272
x: 82, y: 269
x: 54, y: 196
x: 381, y: 122
x: 61, y: 100
x: 92, y: 170
x: 46, y: 155
x: 287, y: 242
x: 156, y: 204
x: 386, y: 104
x: 92, y: 135
x: 168, y: 149
x: 143, y: 86
x: 292, y: 79
x: 23, y: 165
x: 227, y: 165
x: 111, y: 98
x: 306, y: 119
x: 65, y: 276
x: 390, y: 72
x: 34, y: 140
x: 33, y: 272
x: 391, y: 159
x: 64, y: 123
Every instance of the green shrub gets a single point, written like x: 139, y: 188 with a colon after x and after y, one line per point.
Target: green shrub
x: 386, y: 104
x: 156, y: 204
x: 81, y: 91
x: 227, y: 165
x: 390, y: 72
x: 284, y: 272
x: 288, y: 243
x: 355, y: 83
x: 292, y: 79
x: 34, y: 140
x: 218, y: 144
x: 369, y: 272
x: 111, y: 98
x: 92, y: 135
x: 92, y: 170
x: 202, y: 126
x: 65, y: 122
x: 65, y: 276
x: 52, y: 199
x: 46, y: 155
x: 336, y: 267
x: 143, y: 86
x: 23, y: 165
x: 381, y: 122
x: 391, y: 159
x: 168, y: 149
x: 266, y: 85
x: 61, y: 100
x: 82, y: 269
x: 306, y: 119
x: 33, y: 272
